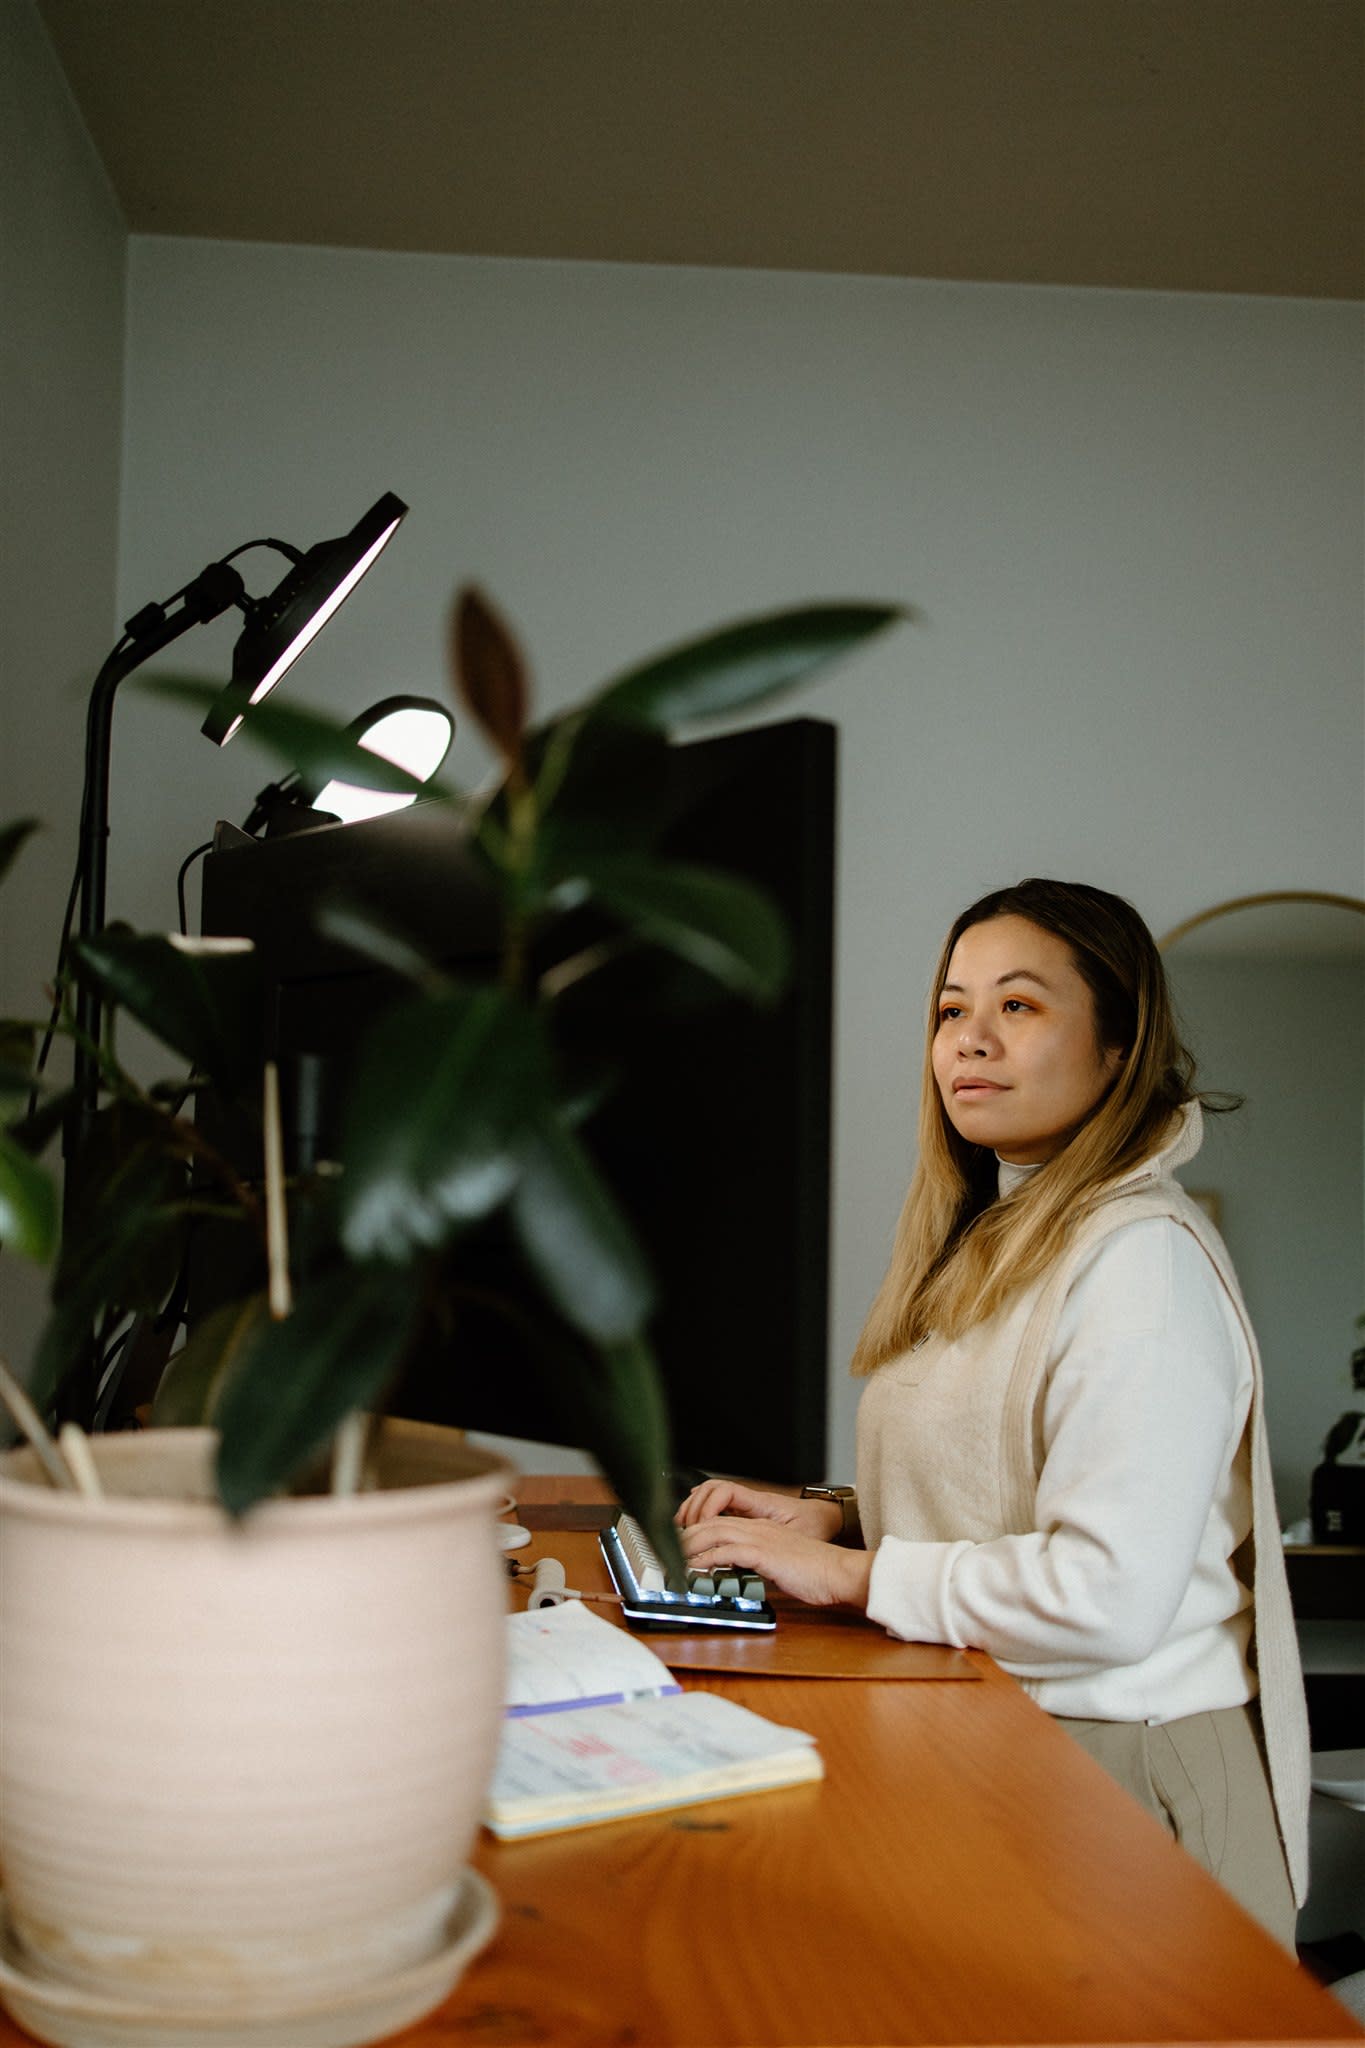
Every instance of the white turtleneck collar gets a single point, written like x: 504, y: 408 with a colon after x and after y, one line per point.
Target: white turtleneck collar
x: 1011, y: 1176
x: 1179, y: 1144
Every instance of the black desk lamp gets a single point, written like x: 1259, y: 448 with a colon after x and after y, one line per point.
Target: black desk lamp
x: 280, y: 626
x: 277, y: 630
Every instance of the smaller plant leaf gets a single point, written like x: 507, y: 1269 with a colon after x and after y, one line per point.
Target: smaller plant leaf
x: 622, y: 1403
x: 15, y: 1083
x: 720, y: 923
x: 446, y: 1087
x: 18, y: 1046
x: 17, y: 1043
x: 602, y: 786
x: 124, y: 1227
x: 609, y: 791
x: 34, y: 1133
x: 743, y: 664
x: 489, y: 672
x: 576, y: 1239
x: 12, y: 838
x: 206, y: 1006
x: 296, y: 1379
x: 28, y: 1203
x: 194, y: 1382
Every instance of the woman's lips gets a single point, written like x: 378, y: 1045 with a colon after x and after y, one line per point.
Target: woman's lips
x: 974, y: 1087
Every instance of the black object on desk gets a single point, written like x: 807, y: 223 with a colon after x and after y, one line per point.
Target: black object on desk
x: 1327, y: 1584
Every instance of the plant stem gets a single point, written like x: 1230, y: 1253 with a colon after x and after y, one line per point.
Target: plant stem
x: 555, y: 765
x: 579, y: 965
x: 276, y: 1213
x: 348, y: 1452
x: 75, y: 1448
x: 523, y: 817
x: 28, y: 1419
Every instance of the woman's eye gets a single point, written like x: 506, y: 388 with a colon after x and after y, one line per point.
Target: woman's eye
x: 947, y: 1013
x: 1014, y: 1006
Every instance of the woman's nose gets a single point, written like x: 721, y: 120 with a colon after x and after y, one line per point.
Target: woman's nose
x: 972, y: 1038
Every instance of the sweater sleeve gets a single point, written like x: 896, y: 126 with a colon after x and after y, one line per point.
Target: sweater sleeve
x: 1146, y: 1401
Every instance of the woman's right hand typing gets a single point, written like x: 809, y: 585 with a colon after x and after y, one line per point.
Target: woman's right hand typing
x: 821, y: 1519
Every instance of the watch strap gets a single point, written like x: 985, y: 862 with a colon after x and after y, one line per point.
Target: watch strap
x: 845, y: 1498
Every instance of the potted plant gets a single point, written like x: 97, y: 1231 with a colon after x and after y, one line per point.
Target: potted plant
x: 178, y: 1836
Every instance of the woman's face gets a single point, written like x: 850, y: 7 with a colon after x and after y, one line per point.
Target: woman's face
x: 1015, y: 1051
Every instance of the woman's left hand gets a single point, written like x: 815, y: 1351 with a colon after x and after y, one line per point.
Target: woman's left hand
x: 819, y: 1573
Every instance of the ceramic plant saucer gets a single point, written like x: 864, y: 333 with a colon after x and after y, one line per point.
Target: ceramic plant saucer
x: 69, y: 2018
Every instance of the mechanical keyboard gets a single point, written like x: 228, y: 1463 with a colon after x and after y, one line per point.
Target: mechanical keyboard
x: 726, y: 1597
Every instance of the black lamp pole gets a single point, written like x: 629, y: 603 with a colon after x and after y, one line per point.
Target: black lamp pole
x: 211, y: 593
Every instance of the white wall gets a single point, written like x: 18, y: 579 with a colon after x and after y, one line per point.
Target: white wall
x: 1132, y: 523
x: 62, y: 249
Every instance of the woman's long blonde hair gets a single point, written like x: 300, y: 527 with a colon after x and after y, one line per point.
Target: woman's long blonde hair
x: 960, y: 1252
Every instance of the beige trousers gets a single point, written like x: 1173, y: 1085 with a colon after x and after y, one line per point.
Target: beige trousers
x: 1204, y: 1778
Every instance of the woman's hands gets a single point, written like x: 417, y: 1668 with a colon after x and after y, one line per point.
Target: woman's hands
x: 787, y: 1541
x: 818, y: 1518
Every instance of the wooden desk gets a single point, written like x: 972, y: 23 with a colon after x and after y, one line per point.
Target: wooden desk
x: 964, y: 1874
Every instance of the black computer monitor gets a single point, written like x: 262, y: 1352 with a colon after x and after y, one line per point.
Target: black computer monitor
x: 715, y: 1138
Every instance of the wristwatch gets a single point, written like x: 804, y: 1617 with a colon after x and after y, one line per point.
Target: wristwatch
x: 845, y: 1498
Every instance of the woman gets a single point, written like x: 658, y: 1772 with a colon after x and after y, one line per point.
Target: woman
x: 1061, y: 1448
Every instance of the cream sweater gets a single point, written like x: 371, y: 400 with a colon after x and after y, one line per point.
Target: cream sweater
x: 1081, y: 1486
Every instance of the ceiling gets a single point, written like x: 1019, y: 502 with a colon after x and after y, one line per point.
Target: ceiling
x: 1187, y: 145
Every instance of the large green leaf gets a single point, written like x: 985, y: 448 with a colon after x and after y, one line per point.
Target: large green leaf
x: 601, y: 783
x: 578, y: 1242
x: 18, y: 1044
x: 296, y: 1379
x: 206, y: 1005
x: 12, y: 838
x: 606, y: 1399
x: 743, y: 664
x: 319, y: 748
x: 195, y: 1379
x: 28, y: 1203
x: 718, y: 922
x: 600, y: 786
x: 446, y: 1087
x: 626, y: 1428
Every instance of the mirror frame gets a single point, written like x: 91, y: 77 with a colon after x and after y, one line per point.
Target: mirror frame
x: 1190, y: 924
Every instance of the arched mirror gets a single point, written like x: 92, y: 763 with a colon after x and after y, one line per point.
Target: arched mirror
x: 1271, y: 994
